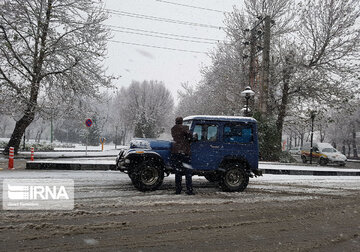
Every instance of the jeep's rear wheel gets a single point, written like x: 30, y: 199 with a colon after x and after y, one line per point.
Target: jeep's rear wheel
x: 234, y: 179
x: 148, y: 176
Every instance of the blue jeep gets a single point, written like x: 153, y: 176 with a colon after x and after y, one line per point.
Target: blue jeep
x: 224, y: 150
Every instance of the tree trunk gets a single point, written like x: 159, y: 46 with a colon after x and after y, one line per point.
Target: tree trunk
x: 19, y: 131
x: 302, y: 136
x: 283, y: 105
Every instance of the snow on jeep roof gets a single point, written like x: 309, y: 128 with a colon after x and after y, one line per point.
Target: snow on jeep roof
x: 220, y: 118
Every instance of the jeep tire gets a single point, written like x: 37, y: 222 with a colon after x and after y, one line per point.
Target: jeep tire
x: 234, y: 179
x: 147, y: 176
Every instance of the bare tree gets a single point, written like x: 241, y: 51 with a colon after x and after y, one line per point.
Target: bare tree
x: 49, y: 49
x: 146, y: 108
x: 314, y: 50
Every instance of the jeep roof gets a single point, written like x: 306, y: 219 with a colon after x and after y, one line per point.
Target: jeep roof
x: 219, y: 118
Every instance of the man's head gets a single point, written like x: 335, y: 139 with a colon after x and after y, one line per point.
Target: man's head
x: 179, y: 120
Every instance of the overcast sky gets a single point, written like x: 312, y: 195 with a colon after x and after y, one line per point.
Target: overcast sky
x: 135, y: 62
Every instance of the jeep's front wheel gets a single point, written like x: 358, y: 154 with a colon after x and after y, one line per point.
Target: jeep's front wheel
x: 234, y: 179
x: 148, y: 176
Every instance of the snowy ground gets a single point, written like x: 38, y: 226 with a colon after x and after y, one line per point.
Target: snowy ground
x: 275, y: 213
x: 98, y: 180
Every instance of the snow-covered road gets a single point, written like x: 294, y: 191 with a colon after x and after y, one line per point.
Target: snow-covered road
x: 105, y: 184
x: 275, y: 213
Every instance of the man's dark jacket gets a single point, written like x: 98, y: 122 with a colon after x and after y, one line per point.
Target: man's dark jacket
x: 182, y: 138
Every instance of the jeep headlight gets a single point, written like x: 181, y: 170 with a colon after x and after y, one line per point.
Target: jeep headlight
x: 127, y: 161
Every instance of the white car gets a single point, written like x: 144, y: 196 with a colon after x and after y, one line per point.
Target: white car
x: 323, y: 153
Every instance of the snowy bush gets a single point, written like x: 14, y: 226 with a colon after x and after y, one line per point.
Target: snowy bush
x: 39, y: 147
x: 286, y: 157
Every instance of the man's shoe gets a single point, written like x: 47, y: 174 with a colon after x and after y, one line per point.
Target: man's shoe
x: 190, y: 193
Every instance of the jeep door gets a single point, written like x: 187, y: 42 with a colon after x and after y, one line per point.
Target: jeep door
x: 239, y: 142
x: 205, y: 150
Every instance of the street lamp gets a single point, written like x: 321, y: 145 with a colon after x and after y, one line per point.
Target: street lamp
x: 312, y: 116
x: 247, y: 93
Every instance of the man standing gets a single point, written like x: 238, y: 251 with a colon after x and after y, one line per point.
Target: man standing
x: 180, y: 155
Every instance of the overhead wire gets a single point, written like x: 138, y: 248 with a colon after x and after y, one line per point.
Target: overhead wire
x: 167, y: 35
x: 168, y: 20
x: 163, y: 33
x: 158, y: 36
x: 190, y: 6
x: 158, y: 47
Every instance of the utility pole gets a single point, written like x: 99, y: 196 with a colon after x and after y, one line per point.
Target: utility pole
x: 252, y: 70
x: 262, y: 34
x: 265, y: 65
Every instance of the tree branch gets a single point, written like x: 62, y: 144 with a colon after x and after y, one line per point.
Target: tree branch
x: 13, y: 51
x: 12, y: 84
x: 60, y: 71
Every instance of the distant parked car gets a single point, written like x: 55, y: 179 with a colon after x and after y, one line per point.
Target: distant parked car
x: 295, y: 150
x: 323, y: 153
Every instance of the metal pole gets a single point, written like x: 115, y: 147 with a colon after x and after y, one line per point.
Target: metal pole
x: 247, y: 105
x: 312, y: 114
x: 51, y: 130
x: 87, y: 140
x: 116, y: 137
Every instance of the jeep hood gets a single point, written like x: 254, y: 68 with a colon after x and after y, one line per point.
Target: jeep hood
x: 150, y: 144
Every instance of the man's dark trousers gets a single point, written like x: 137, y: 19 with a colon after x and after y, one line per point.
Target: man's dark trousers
x: 180, y: 170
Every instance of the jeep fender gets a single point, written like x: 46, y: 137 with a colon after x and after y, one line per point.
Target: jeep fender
x: 137, y: 157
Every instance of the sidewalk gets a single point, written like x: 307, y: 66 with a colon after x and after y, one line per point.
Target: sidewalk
x: 68, y: 154
x: 296, y: 169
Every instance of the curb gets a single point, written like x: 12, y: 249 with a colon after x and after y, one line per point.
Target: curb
x: 96, y: 166
x: 68, y: 166
x: 67, y: 157
x: 310, y: 173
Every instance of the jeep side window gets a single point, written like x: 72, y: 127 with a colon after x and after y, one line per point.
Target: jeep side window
x: 238, y: 133
x: 206, y: 132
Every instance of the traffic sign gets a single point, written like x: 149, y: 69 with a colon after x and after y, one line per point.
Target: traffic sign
x: 88, y: 122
